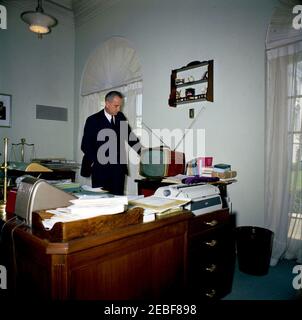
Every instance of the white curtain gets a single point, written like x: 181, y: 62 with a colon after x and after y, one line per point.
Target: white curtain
x: 282, y: 93
x: 88, y: 105
x: 131, y: 93
x: 294, y: 246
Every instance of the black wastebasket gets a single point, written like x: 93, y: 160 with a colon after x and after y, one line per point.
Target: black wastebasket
x: 254, y: 249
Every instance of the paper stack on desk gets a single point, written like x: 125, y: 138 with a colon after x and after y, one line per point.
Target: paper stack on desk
x: 86, y: 207
x: 160, y: 205
x: 90, y: 201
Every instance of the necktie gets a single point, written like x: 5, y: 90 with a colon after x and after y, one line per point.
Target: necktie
x: 112, y: 121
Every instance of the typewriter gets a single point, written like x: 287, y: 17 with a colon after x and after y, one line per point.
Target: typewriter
x: 204, y: 198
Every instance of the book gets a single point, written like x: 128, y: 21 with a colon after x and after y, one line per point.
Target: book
x: 222, y: 166
x: 228, y: 180
x: 225, y: 175
x: 195, y: 166
x: 192, y: 167
x: 206, y: 171
x: 221, y: 170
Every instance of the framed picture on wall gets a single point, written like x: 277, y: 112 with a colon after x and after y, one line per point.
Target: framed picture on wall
x: 5, y: 110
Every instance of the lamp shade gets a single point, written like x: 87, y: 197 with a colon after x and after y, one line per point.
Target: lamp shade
x: 38, y: 21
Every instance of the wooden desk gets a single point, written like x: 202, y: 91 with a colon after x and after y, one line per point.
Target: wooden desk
x: 144, y: 261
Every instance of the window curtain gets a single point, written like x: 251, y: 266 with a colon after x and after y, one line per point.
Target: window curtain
x: 280, y: 185
x: 294, y: 246
x: 89, y: 105
x: 131, y: 93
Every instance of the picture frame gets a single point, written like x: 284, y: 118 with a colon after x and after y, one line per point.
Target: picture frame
x: 5, y: 110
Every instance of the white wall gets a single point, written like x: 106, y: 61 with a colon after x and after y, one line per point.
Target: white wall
x: 35, y: 72
x: 169, y: 34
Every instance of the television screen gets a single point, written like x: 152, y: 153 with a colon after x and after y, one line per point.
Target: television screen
x: 159, y: 162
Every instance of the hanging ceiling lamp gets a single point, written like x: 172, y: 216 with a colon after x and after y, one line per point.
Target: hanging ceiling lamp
x: 38, y: 21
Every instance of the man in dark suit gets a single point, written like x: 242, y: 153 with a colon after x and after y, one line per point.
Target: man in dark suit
x: 103, y: 144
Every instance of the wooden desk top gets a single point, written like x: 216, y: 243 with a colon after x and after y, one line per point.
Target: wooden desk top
x: 27, y: 234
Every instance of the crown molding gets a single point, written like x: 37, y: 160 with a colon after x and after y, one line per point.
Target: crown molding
x: 84, y: 11
x: 64, y: 4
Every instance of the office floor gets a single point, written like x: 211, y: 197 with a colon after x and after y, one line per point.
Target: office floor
x: 276, y: 285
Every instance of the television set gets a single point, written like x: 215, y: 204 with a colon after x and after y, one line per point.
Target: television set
x: 159, y: 162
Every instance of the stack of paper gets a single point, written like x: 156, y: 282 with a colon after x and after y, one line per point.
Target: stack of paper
x: 160, y: 205
x: 149, y: 215
x: 87, y: 201
x: 90, y: 211
x: 87, y: 207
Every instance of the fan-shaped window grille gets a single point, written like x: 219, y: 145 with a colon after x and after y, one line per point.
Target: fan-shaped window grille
x: 281, y: 31
x: 113, y: 64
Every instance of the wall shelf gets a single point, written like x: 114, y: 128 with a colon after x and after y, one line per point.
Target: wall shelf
x: 196, y: 90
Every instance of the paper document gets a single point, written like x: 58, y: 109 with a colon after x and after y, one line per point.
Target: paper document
x: 134, y: 197
x: 73, y: 213
x: 84, y: 212
x: 86, y: 207
x: 149, y: 215
x: 92, y: 196
x: 88, y: 188
x: 160, y: 204
x: 155, y: 201
x: 99, y: 201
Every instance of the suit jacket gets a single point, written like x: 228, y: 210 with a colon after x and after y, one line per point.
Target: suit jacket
x: 103, y: 146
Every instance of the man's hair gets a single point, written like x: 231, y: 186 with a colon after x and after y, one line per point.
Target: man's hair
x: 110, y: 95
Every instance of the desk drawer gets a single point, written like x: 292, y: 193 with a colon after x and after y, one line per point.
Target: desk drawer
x: 210, y: 241
x: 211, y: 280
x: 212, y: 258
x: 208, y: 221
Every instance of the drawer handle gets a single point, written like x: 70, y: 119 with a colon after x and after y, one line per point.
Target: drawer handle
x: 211, y: 243
x: 211, y: 268
x: 212, y: 223
x: 211, y: 294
